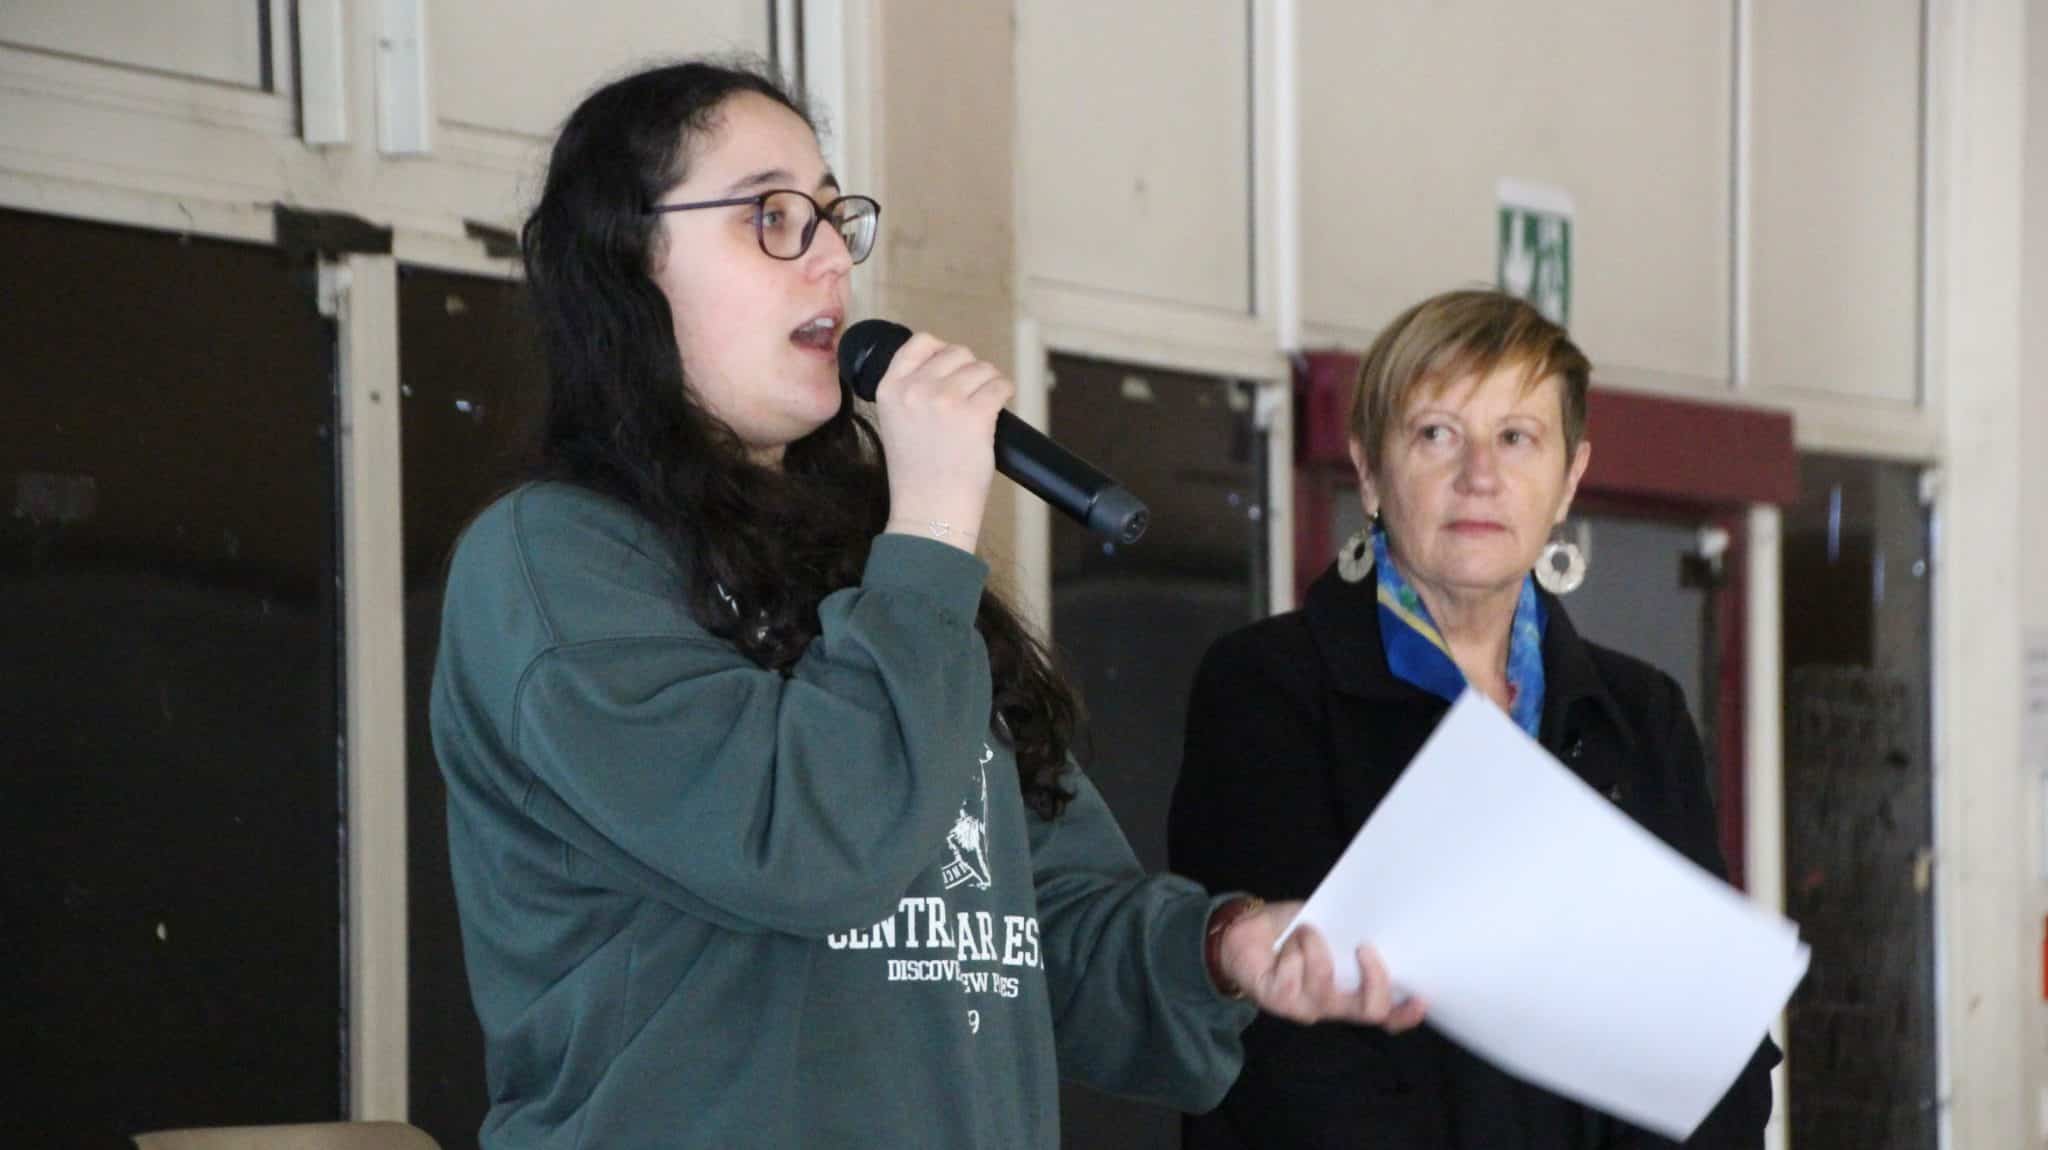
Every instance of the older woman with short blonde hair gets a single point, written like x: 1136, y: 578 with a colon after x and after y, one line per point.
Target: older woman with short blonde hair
x: 1467, y: 432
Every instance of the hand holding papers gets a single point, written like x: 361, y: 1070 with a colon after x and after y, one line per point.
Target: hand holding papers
x: 1552, y: 935
x: 1297, y: 980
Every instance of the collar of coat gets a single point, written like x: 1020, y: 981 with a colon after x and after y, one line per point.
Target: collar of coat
x: 1344, y: 618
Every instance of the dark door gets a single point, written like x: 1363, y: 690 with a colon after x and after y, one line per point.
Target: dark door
x: 169, y: 711
x: 1132, y: 622
x: 1859, y: 806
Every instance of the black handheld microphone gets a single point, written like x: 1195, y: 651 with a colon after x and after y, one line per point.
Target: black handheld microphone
x: 1023, y: 452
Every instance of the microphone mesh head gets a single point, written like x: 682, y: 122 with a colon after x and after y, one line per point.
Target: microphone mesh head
x: 865, y: 350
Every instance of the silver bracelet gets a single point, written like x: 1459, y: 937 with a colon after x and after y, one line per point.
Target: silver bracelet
x: 938, y: 529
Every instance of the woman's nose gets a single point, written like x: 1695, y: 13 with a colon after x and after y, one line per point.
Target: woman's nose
x: 1478, y: 467
x: 828, y: 252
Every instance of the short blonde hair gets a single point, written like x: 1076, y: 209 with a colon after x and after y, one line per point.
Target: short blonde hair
x: 1455, y: 336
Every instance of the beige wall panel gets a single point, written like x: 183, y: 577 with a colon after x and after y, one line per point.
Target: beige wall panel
x: 1135, y: 150
x: 519, y: 66
x: 946, y: 147
x: 235, y: 145
x: 1411, y: 112
x: 2034, y: 326
x: 1986, y: 890
x: 943, y: 96
x: 218, y: 40
x: 1835, y: 201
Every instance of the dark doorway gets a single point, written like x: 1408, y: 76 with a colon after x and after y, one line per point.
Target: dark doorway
x: 1132, y: 622
x: 169, y: 713
x: 1859, y: 806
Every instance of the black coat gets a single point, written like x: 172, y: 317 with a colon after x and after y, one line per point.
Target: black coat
x: 1296, y: 731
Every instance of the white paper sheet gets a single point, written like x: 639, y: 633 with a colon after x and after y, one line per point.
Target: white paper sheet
x: 1553, y: 936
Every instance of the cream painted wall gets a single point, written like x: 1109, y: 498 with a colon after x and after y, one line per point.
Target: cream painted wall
x: 2034, y: 365
x: 2032, y: 528
x: 944, y: 104
x: 558, y: 52
x: 1412, y: 112
x: 1835, y: 172
x: 1133, y: 148
x: 1987, y: 892
x: 216, y: 40
x: 87, y: 138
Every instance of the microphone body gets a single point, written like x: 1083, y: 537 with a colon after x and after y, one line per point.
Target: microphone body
x: 1023, y: 453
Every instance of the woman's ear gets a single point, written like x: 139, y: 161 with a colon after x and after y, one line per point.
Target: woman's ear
x: 1574, y: 471
x: 1368, y: 492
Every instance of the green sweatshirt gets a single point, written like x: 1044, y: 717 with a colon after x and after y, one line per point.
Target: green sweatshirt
x: 707, y: 904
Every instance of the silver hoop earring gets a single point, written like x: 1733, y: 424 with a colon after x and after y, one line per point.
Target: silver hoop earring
x: 1562, y: 567
x: 1354, y: 559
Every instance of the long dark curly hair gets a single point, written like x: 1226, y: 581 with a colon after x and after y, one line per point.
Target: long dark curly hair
x: 620, y: 418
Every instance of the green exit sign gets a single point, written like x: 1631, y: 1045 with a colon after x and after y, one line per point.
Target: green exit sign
x: 1534, y: 256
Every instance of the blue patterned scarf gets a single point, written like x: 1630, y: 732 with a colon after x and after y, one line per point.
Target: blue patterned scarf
x: 1418, y: 655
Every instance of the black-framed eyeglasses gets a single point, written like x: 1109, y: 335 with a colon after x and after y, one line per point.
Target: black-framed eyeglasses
x: 785, y: 220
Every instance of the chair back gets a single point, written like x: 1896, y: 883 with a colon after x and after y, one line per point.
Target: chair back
x: 309, y: 1136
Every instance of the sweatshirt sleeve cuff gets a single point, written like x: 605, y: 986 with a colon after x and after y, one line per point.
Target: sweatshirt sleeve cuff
x: 1192, y: 962
x: 938, y: 571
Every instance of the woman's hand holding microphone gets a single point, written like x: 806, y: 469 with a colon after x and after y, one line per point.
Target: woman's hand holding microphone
x: 936, y: 409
